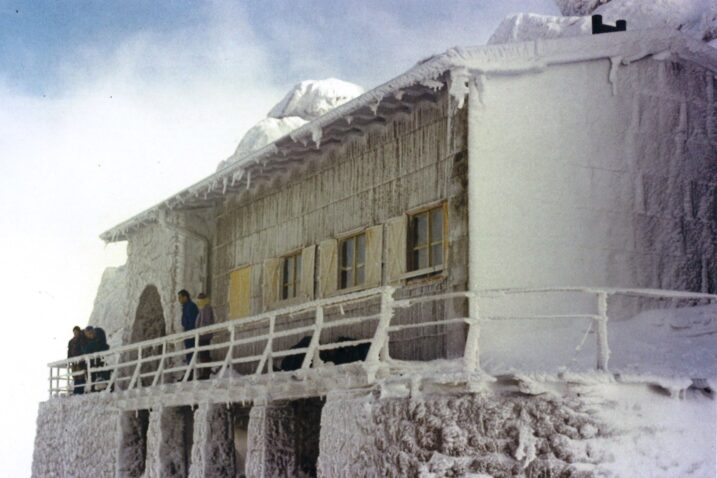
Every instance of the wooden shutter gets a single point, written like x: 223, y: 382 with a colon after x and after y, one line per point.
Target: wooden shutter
x: 240, y: 292
x: 272, y: 282
x: 328, y: 267
x: 374, y: 255
x: 306, y: 280
x: 396, y: 248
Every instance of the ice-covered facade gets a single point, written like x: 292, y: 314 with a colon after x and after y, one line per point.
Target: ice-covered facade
x: 553, y: 178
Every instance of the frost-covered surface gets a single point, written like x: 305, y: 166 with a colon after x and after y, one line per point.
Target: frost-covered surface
x: 77, y: 437
x: 305, y: 102
x: 212, y: 453
x: 265, y: 132
x: 587, y: 429
x: 270, y: 450
x: 313, y: 98
x: 669, y: 342
x: 111, y: 304
x: 697, y: 18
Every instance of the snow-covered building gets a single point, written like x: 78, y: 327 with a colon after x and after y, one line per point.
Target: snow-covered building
x: 556, y: 179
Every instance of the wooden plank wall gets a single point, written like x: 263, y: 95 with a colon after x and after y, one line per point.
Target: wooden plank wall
x: 412, y: 161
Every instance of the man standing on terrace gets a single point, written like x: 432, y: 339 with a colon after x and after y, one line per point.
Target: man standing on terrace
x: 190, y: 311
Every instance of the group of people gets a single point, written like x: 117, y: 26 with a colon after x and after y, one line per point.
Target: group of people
x: 88, y: 341
x: 93, y: 339
x: 194, y: 316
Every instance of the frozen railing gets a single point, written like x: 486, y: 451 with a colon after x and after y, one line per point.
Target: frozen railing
x: 251, y: 346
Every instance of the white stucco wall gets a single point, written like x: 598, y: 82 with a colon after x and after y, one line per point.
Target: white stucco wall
x: 584, y: 181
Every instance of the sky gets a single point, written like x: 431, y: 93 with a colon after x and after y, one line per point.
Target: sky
x: 106, y: 108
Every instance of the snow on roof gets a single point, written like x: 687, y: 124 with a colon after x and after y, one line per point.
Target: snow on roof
x: 313, y: 98
x: 263, y: 133
x: 696, y: 18
x: 452, y: 69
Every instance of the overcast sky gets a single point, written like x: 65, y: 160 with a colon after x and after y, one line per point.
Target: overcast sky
x: 107, y: 108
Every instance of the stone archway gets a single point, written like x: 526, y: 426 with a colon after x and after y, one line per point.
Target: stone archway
x: 148, y: 324
x: 149, y: 319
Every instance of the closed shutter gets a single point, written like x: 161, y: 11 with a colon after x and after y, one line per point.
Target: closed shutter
x: 240, y: 292
x: 272, y: 282
x: 374, y: 253
x: 328, y: 267
x: 396, y: 248
x: 306, y: 281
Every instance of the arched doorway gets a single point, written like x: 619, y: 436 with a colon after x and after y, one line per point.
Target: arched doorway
x: 148, y: 324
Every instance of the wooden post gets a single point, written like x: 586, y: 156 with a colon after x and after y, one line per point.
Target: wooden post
x: 471, y: 355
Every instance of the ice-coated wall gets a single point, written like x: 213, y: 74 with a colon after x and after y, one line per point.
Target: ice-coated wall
x: 163, y: 256
x: 212, y: 453
x: 76, y: 437
x: 588, y: 429
x: 597, y: 173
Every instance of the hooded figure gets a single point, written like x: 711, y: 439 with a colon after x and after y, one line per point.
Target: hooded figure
x: 74, y: 349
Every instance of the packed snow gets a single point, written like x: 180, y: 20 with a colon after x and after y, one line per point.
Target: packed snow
x: 696, y: 18
x: 305, y: 102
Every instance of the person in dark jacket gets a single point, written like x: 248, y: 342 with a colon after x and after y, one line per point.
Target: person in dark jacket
x: 205, y: 318
x: 96, y: 341
x: 74, y: 349
x: 190, y: 311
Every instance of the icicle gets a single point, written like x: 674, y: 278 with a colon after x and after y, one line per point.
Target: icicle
x: 374, y: 106
x: 614, y: 64
x: 349, y: 119
x: 224, y: 185
x: 398, y: 94
x: 248, y: 180
x: 458, y: 86
x: 316, y: 134
x: 236, y: 177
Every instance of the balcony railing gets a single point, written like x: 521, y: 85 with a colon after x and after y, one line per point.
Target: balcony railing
x: 254, y: 345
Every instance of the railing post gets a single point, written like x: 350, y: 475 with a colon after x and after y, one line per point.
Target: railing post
x: 230, y: 354
x: 51, y: 390
x: 378, y: 351
x: 88, y: 384
x: 471, y: 354
x: 267, y: 350
x: 137, y: 369
x: 313, y: 353
x: 603, y: 349
x: 160, y: 366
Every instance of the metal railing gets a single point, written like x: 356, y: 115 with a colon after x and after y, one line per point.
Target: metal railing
x: 251, y: 346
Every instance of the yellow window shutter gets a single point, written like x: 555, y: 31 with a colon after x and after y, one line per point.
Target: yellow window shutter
x: 328, y: 267
x: 396, y: 248
x: 240, y: 292
x: 306, y: 281
x: 374, y: 252
x: 272, y: 282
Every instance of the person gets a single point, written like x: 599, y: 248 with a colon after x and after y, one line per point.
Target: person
x: 205, y: 318
x: 96, y: 341
x: 74, y: 349
x: 190, y: 311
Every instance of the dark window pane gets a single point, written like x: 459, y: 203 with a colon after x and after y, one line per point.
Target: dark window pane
x: 291, y: 292
x: 420, y: 229
x: 346, y: 279
x: 360, y: 275
x: 297, y: 268
x: 420, y: 258
x: 436, y: 254
x: 361, y: 249
x: 347, y: 253
x: 286, y: 271
x: 437, y: 225
x: 285, y: 292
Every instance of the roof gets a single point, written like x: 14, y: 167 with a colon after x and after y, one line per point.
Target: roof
x: 420, y: 84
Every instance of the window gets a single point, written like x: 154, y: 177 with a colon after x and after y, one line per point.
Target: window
x: 352, y: 266
x: 426, y: 239
x: 240, y: 292
x: 290, y: 276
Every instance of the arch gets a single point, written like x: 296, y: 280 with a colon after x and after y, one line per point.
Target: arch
x: 149, y: 319
x: 148, y: 324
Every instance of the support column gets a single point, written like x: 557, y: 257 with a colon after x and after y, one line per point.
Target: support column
x: 271, y: 451
x: 165, y: 444
x: 213, y: 449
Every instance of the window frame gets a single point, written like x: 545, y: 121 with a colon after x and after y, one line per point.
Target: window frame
x: 353, y: 236
x: 296, y: 256
x: 412, y: 271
